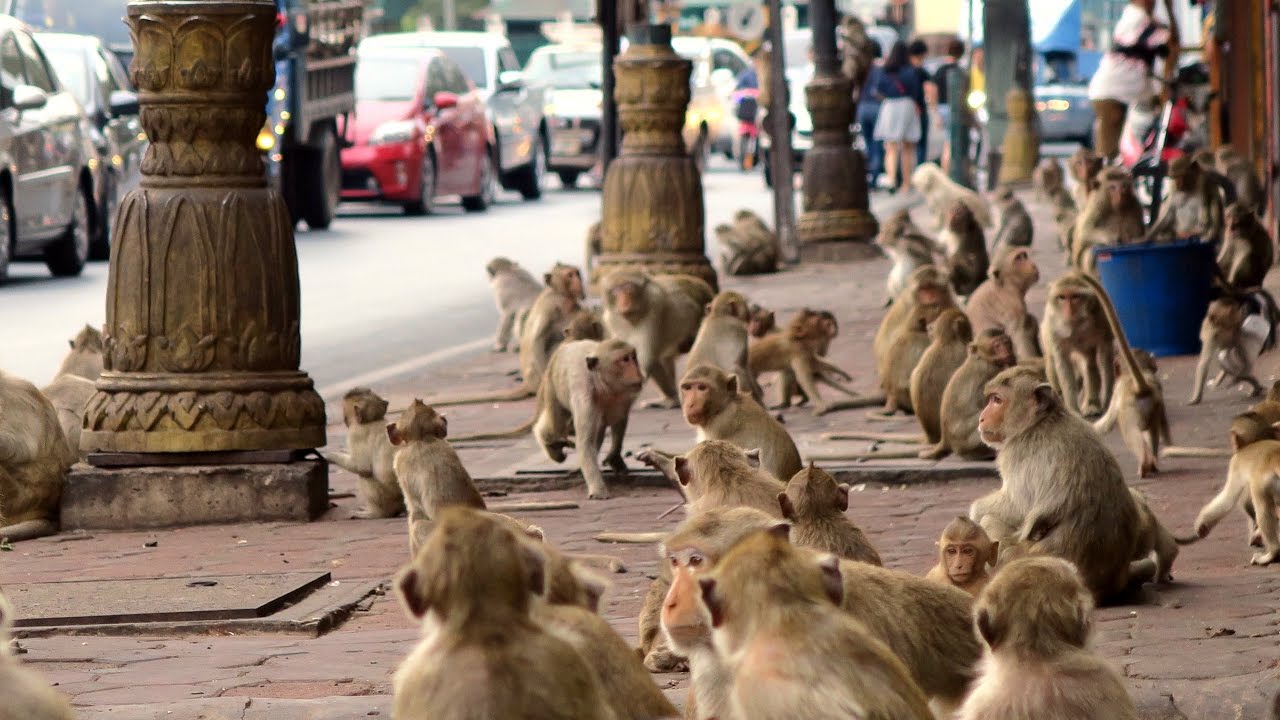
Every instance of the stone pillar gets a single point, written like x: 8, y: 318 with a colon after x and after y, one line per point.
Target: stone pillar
x: 836, y: 208
x: 1021, y: 148
x: 1007, y: 52
x: 653, y: 209
x: 202, y: 337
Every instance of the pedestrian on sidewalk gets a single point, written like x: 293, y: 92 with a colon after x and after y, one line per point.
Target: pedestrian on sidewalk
x: 917, y: 51
x: 901, y: 92
x: 1125, y: 73
x: 942, y: 79
x: 868, y: 111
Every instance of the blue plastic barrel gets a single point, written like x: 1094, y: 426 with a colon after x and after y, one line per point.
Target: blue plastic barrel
x: 1160, y: 293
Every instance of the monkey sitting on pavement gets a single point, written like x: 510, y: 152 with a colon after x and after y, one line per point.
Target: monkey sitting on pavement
x: 1241, y: 174
x: 1035, y: 618
x: 928, y: 286
x: 940, y: 192
x: 1047, y: 179
x: 716, y: 473
x: 713, y: 404
x: 34, y: 459
x: 1154, y: 539
x: 796, y: 354
x: 907, y: 247
x: 964, y: 552
x: 965, y: 248
x: 750, y: 247
x: 1247, y: 251
x: 1000, y: 302
x: 370, y: 454
x: 989, y: 354
x: 430, y: 474
x: 86, y: 356
x: 1113, y: 216
x: 722, y: 340
x: 1193, y: 211
x: 815, y: 505
x: 1078, y: 334
x: 1013, y: 224
x: 949, y: 338
x: 514, y: 290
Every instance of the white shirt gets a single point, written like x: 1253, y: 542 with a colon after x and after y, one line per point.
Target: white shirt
x: 1122, y: 78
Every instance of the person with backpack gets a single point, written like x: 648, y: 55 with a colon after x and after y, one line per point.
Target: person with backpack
x: 1125, y: 73
x: 900, y: 89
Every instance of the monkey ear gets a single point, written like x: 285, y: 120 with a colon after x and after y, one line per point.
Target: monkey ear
x: 592, y: 360
x: 72, y: 343
x: 535, y: 565
x: 843, y: 502
x: 1045, y: 396
x: 715, y: 608
x: 989, y: 633
x: 780, y: 530
x: 1237, y: 442
x: 832, y: 582
x: 732, y: 384
x: 682, y: 470
x: 995, y: 553
x: 753, y: 457
x: 444, y: 428
x: 593, y: 586
x: 393, y: 434
x: 788, y: 510
x: 546, y: 278
x: 408, y: 588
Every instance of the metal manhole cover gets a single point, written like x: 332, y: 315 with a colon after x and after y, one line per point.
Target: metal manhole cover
x: 153, y: 600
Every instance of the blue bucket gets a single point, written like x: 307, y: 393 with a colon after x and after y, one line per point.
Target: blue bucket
x: 1160, y: 292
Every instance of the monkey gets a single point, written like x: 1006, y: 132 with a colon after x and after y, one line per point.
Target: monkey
x: 815, y: 505
x: 926, y: 287
x: 1035, y: 619
x: 962, y: 400
x: 659, y: 317
x: 594, y: 246
x: 1143, y: 421
x: 760, y: 322
x: 964, y: 552
x: 1273, y: 710
x: 949, y: 338
x: 858, y: 50
x: 717, y: 473
x: 1084, y: 166
x: 713, y: 405
x: 941, y: 191
x: 1247, y: 251
x: 482, y: 655
x: 514, y: 290
x: 1241, y: 174
x: 1222, y: 341
x: 1061, y: 490
x: 34, y: 459
x: 541, y: 332
x: 963, y: 243
x: 1047, y: 179
x: 1256, y: 423
x: 86, y: 356
x: 589, y: 387
x: 1193, y: 211
x: 901, y: 361
x: 907, y: 247
x: 796, y: 354
x: 1154, y: 539
x: 768, y: 602
x: 584, y: 325
x: 822, y: 328
x: 370, y: 454
x: 69, y: 393
x: 751, y: 248
x: 1014, y: 228
x: 27, y: 696
x: 722, y: 340
x: 1113, y: 216
x: 1251, y: 480
x: 1077, y: 330
x: 1000, y: 302
x: 429, y: 472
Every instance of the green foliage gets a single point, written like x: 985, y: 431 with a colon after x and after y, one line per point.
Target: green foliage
x: 465, y: 11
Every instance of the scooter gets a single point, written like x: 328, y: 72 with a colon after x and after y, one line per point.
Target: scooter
x: 747, y: 146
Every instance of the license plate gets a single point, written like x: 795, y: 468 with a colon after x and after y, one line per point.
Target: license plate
x: 567, y: 143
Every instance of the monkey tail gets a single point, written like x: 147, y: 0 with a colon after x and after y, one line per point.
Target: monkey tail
x: 521, y: 431
x: 1186, y: 539
x: 1194, y: 452
x: 1139, y: 379
x: 520, y: 393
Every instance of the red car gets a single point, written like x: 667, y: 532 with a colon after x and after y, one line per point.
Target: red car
x: 420, y: 133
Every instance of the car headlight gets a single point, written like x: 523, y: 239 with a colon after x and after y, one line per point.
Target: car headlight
x: 392, y: 132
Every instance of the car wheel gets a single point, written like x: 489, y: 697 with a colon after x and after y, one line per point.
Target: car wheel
x: 66, y: 257
x: 323, y: 185
x: 426, y: 202
x: 569, y: 178
x: 488, y: 187
x: 101, y: 247
x: 528, y: 179
x: 6, y: 232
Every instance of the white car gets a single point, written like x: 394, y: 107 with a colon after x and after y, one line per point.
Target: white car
x: 717, y: 63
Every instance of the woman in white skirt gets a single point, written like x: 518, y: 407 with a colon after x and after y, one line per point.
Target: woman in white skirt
x: 900, y: 90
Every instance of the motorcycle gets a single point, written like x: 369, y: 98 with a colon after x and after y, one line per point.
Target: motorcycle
x: 747, y: 145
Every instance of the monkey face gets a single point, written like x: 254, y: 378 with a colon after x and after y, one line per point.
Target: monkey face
x: 762, y: 321
x: 626, y: 298
x: 1022, y: 266
x: 1120, y: 194
x: 991, y: 418
x: 695, y: 401
x: 1071, y: 306
x: 962, y: 561
x: 1001, y: 351
x: 681, y: 618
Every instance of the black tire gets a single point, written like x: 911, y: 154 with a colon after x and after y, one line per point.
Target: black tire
x: 528, y: 179
x: 488, y: 187
x: 426, y: 202
x: 569, y: 178
x: 6, y: 232
x: 321, y: 187
x: 101, y: 247
x: 67, y: 255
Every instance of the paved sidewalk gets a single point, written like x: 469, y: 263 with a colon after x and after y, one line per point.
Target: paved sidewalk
x: 1204, y: 647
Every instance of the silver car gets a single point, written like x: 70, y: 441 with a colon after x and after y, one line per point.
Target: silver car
x: 569, y: 76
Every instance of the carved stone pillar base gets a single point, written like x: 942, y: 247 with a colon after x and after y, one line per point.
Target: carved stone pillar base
x: 1021, y: 148
x: 836, y: 206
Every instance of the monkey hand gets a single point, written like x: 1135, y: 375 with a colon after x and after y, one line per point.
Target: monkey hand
x: 653, y: 458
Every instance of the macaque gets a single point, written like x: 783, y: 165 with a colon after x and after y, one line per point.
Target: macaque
x: 907, y: 247
x: 815, y: 505
x: 589, y: 387
x: 769, y: 603
x: 1076, y: 332
x: 86, y: 356
x: 1113, y: 216
x: 1222, y: 342
x: 796, y: 355
x: 584, y: 325
x: 928, y: 287
x: 1035, y: 618
x: 1047, y: 179
x: 903, y: 356
x: 370, y: 454
x: 34, y: 459
x: 1241, y: 174
x: 1014, y: 228
x: 658, y: 316
x: 514, y: 290
x: 858, y: 50
x: 713, y: 405
x: 1251, y: 481
x: 594, y: 246
x: 949, y: 337
x: 1062, y: 492
x: 1193, y: 211
x: 722, y: 340
x: 964, y: 552
x: 1154, y: 539
x: 1001, y: 301
x: 761, y: 322
x: 69, y: 394
x: 27, y: 696
x: 482, y: 655
x: 965, y: 248
x: 1084, y: 166
x: 990, y: 353
x: 1247, y: 251
x: 751, y: 248
x: 1143, y: 421
x: 940, y: 192
x: 716, y: 473
x: 430, y: 474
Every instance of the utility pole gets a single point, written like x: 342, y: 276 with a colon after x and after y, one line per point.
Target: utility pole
x: 607, y: 15
x: 778, y: 120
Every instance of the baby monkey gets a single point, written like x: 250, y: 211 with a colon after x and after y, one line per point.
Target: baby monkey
x: 964, y: 552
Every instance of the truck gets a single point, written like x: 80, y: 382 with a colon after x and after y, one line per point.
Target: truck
x: 309, y: 108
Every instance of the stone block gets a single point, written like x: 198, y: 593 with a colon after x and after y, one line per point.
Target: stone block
x: 838, y: 251
x: 127, y: 498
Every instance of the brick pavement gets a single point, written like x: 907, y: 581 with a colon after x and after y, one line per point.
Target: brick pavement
x: 1204, y: 647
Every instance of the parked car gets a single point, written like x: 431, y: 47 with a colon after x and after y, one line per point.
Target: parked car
x: 717, y: 63
x: 93, y: 74
x: 1062, y: 99
x: 47, y: 200
x: 103, y: 19
x: 570, y: 77
x: 514, y: 109
x: 799, y: 72
x: 420, y: 132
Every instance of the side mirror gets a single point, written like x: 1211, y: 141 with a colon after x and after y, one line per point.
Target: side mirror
x: 444, y: 100
x: 123, y: 103
x: 29, y: 97
x: 510, y: 80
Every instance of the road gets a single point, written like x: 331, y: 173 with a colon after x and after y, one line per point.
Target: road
x: 382, y: 294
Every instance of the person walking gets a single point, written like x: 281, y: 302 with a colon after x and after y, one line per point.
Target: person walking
x: 868, y: 111
x: 917, y: 51
x: 942, y: 79
x: 900, y: 89
x: 1126, y: 70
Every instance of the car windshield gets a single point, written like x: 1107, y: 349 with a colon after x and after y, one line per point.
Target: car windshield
x: 471, y: 60
x: 571, y: 70
x: 386, y: 79
x: 69, y: 65
x: 104, y: 20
